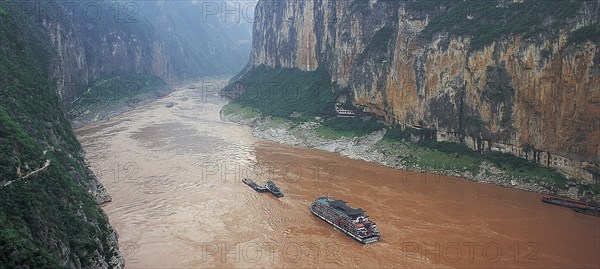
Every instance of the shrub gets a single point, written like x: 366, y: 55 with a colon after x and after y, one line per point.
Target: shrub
x: 493, y: 19
x: 583, y: 34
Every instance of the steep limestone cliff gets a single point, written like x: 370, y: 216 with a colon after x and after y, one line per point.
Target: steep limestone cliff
x: 513, y: 76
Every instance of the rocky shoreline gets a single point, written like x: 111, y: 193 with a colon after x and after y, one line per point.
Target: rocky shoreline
x: 372, y: 148
x: 80, y: 119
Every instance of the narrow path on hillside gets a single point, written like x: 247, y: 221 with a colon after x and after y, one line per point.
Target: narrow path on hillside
x: 46, y: 164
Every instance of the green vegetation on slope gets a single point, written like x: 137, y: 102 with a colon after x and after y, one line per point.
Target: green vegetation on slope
x: 118, y: 90
x: 441, y: 156
x: 245, y: 112
x: 286, y: 93
x: 486, y: 21
x: 587, y: 33
x: 297, y: 96
x: 348, y: 127
x: 49, y: 210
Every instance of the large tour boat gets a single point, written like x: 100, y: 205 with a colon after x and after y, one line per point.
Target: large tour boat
x: 352, y: 221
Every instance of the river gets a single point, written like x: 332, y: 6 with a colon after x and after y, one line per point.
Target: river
x: 174, y: 175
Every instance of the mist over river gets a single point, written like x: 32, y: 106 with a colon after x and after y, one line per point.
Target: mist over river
x: 173, y: 169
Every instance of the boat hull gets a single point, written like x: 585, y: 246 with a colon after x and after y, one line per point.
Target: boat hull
x: 254, y: 186
x: 275, y: 193
x: 579, y: 207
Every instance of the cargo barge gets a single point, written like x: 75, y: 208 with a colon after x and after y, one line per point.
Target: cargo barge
x: 253, y: 185
x: 270, y: 187
x: 580, y: 207
x: 352, y: 221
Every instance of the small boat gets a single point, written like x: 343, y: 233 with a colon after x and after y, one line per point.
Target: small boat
x: 272, y: 188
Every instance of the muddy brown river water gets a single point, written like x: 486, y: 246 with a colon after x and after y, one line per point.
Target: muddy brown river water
x: 174, y: 176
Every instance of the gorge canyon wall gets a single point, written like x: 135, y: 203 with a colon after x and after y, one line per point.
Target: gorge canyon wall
x: 174, y: 40
x: 510, y: 76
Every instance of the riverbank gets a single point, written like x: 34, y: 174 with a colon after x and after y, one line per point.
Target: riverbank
x: 109, y: 98
x: 375, y: 147
x: 175, y: 177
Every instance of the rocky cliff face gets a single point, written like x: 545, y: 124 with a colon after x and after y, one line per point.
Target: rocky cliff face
x: 174, y: 40
x: 49, y: 212
x: 527, y: 84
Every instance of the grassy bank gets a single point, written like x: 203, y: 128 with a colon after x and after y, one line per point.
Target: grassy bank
x: 245, y: 113
x: 348, y: 127
x: 440, y: 156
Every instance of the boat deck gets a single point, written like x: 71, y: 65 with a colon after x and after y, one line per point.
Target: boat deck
x: 253, y: 185
x: 580, y: 207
